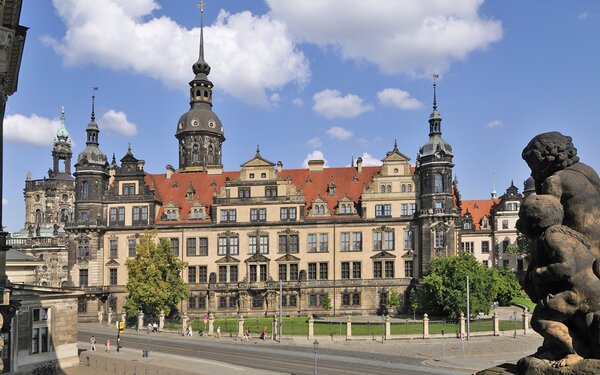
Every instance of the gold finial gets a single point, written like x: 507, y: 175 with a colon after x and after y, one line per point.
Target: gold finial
x: 201, y: 6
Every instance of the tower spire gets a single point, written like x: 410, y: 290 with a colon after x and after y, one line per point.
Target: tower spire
x: 435, y: 77
x: 94, y: 89
x: 201, y: 53
x: 201, y: 67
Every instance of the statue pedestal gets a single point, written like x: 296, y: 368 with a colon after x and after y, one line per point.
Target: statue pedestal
x: 534, y: 366
x: 503, y: 369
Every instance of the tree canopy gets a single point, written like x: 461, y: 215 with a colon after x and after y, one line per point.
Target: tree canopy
x: 154, y: 281
x: 445, y: 287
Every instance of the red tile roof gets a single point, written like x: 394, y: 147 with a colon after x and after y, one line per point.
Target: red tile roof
x: 348, y: 183
x: 479, y: 209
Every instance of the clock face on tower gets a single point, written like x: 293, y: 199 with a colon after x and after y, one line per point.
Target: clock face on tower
x: 195, y: 122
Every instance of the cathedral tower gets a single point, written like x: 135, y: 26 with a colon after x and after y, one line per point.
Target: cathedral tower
x: 438, y: 214
x: 199, y: 130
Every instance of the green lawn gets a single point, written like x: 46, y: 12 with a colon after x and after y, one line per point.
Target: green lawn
x: 298, y: 326
x: 524, y: 301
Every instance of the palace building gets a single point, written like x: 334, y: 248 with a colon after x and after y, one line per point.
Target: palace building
x: 353, y: 234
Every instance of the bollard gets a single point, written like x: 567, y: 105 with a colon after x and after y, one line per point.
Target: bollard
x: 109, y: 318
x: 241, y: 327
x: 496, y: 321
x: 388, y: 328
x: 274, y: 328
x: 462, y: 320
x: 311, y: 327
x: 525, y: 321
x: 348, y: 327
x: 161, y: 321
x: 211, y: 324
x: 101, y: 314
x: 184, y: 324
x: 140, y: 324
x: 425, y: 326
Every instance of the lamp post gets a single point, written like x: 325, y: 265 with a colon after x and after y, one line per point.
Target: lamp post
x: 316, y: 346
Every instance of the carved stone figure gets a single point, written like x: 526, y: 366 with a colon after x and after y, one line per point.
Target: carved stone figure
x: 563, y: 277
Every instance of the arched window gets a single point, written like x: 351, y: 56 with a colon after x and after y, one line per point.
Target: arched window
x: 403, y: 188
x: 438, y: 183
x: 198, y: 92
x: 409, y: 188
x: 38, y: 216
x: 382, y: 189
x: 195, y: 153
x: 389, y: 188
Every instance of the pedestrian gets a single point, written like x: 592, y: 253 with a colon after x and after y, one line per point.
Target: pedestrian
x: 107, y: 344
x: 93, y: 343
x: 219, y: 332
x: 149, y: 327
x: 155, y: 327
x: 265, y: 333
x: 189, y: 330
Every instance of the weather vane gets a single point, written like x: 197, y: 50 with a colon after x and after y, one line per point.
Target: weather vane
x: 435, y: 77
x: 201, y: 6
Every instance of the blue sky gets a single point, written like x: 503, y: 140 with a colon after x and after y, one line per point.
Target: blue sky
x: 308, y: 79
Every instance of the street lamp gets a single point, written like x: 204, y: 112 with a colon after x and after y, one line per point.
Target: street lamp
x: 316, y: 346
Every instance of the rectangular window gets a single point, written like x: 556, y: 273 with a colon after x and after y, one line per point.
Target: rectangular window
x: 312, y: 271
x: 83, y: 278
x: 408, y: 268
x: 356, y: 270
x: 140, y: 215
x: 233, y: 274
x: 270, y: 191
x: 252, y: 245
x: 222, y: 247
x: 313, y: 299
x: 346, y: 299
x: 377, y: 270
x: 112, y: 276
x: 114, y: 248
x: 222, y: 274
x: 258, y: 214
x: 404, y: 209
x: 383, y: 298
x: 222, y: 302
x: 35, y: 341
x: 283, y: 272
x: 439, y: 239
x: 253, y: 273
x: 413, y: 208
x: 113, y: 215
x: 383, y: 210
x: 121, y: 218
x: 467, y: 247
x: 287, y: 213
x: 264, y: 244
x: 409, y: 238
x: 389, y: 268
x: 388, y: 240
x: 263, y: 272
x: 288, y: 243
x: 345, y: 270
x: 202, y: 274
x: 485, y: 247
x: 355, y: 299
x: 356, y: 241
x: 312, y: 243
x: 294, y: 271
x: 131, y: 244
x: 345, y: 241
x: 323, y: 242
x: 244, y: 192
x: 191, y: 247
x: 192, y: 302
x: 128, y: 189
x: 505, y: 263
x: 323, y: 271
x: 202, y: 302
x: 84, y: 248
x: 203, y: 246
x: 504, y: 224
x: 377, y: 240
x: 486, y: 264
x: 229, y: 216
x: 229, y: 245
x: 175, y: 246
x: 505, y: 245
x: 293, y: 301
x: 192, y: 274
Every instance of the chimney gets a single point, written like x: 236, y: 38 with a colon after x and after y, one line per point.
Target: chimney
x: 170, y: 171
x: 316, y: 165
x: 279, y: 166
x: 359, y: 164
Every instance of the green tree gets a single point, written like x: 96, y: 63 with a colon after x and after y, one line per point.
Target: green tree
x: 154, y: 281
x: 394, y: 300
x: 326, y: 302
x: 505, y: 284
x: 447, y: 287
x: 522, y: 247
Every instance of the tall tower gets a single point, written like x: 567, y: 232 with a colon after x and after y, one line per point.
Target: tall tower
x: 438, y: 215
x: 62, y: 148
x: 199, y: 130
x: 91, y: 176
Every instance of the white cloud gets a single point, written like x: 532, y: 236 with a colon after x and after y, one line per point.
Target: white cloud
x: 369, y: 160
x: 4, y: 202
x: 315, y: 155
x: 494, y: 124
x: 340, y: 133
x: 398, y: 98
x: 583, y: 16
x: 34, y: 130
x: 116, y: 122
x: 410, y: 36
x: 330, y: 104
x: 250, y: 55
x: 298, y: 102
x: 314, y: 142
x: 275, y: 98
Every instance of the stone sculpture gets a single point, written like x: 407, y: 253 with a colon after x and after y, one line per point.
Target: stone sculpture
x: 562, y: 220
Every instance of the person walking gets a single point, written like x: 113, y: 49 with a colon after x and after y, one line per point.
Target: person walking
x: 93, y: 343
x: 155, y: 327
x: 107, y: 344
x: 219, y: 332
x: 264, y: 333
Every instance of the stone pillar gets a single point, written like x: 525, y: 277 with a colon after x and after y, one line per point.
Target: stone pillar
x: 241, y: 327
x: 101, y: 314
x: 211, y: 324
x: 184, y: 324
x: 161, y: 321
x: 462, y: 331
x: 140, y: 323
x: 109, y: 316
x: 425, y: 326
x: 311, y: 328
x: 525, y: 321
x: 274, y: 328
x: 388, y: 328
x: 496, y: 321
x: 348, y: 327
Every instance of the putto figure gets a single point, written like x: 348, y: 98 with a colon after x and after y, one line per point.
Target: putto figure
x: 562, y: 220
